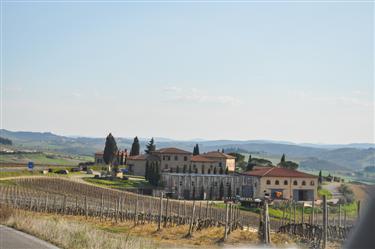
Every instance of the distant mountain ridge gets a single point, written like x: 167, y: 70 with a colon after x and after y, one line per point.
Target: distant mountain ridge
x: 313, y: 156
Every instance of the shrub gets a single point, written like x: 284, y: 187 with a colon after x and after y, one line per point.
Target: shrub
x: 347, y: 192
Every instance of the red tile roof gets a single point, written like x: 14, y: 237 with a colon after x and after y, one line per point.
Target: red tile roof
x: 199, y: 158
x: 217, y: 154
x: 137, y: 157
x: 277, y: 172
x: 172, y: 151
x: 99, y: 153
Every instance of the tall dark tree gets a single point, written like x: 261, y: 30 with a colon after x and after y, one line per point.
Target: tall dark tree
x: 150, y: 147
x: 221, y: 191
x: 147, y: 171
x: 135, y: 147
x: 196, y: 150
x: 110, y: 150
x: 230, y: 190
x: 282, y: 159
x: 320, y: 179
x: 222, y: 150
x: 250, y: 164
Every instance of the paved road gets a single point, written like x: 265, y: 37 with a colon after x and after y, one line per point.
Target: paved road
x: 13, y: 239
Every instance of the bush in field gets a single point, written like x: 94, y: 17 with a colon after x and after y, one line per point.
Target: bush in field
x: 347, y: 192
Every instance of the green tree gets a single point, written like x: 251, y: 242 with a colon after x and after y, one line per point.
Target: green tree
x: 150, y: 147
x: 289, y: 165
x: 110, y: 150
x: 196, y: 150
x: 135, y: 147
x: 282, y: 159
x: 348, y: 194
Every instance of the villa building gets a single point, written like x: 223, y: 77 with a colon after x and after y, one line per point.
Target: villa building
x: 282, y: 183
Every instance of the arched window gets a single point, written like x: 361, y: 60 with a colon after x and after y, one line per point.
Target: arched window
x: 285, y: 182
x: 303, y: 183
x: 312, y: 183
x: 277, y: 182
x: 295, y: 183
x: 268, y: 182
x: 202, y: 168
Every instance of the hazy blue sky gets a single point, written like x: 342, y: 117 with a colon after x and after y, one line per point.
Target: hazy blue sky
x: 301, y: 72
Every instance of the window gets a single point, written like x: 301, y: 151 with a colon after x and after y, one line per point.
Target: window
x: 277, y: 182
x: 185, y: 158
x: 169, y: 158
x: 312, y: 183
x: 166, y: 166
x: 220, y: 164
x: 180, y: 183
x: 176, y: 158
x: 268, y: 182
x: 202, y: 168
x: 295, y: 183
x: 303, y: 183
x: 285, y: 182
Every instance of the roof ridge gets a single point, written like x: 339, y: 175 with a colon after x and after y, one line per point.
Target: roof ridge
x: 268, y: 171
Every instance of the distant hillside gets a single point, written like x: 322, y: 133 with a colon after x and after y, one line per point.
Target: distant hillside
x: 319, y: 164
x: 349, y: 157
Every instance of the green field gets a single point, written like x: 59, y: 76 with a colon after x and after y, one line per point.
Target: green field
x: 119, y: 183
x: 44, y: 158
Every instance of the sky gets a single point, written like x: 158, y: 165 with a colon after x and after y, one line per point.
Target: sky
x: 301, y: 72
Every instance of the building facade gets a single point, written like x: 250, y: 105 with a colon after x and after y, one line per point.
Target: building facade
x: 282, y: 183
x: 209, y: 186
x: 174, y: 160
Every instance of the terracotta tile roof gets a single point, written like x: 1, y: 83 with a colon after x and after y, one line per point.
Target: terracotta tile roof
x: 172, y: 151
x: 199, y: 158
x: 99, y: 153
x: 277, y: 172
x: 137, y: 157
x: 217, y: 154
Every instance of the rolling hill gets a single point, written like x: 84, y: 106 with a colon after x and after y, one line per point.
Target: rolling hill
x: 313, y: 156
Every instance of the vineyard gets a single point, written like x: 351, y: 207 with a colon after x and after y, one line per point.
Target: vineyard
x: 69, y: 197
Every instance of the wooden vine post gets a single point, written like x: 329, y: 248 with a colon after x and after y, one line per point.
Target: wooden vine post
x: 160, y: 210
x: 192, y: 221
x: 325, y: 222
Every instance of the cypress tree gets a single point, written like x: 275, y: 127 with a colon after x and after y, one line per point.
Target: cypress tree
x: 282, y: 159
x: 150, y: 147
x: 320, y: 179
x: 157, y: 174
x: 147, y: 171
x: 110, y: 150
x: 196, y: 150
x: 135, y: 147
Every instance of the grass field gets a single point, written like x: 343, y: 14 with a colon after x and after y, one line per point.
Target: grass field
x: 44, y: 158
x: 119, y: 184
